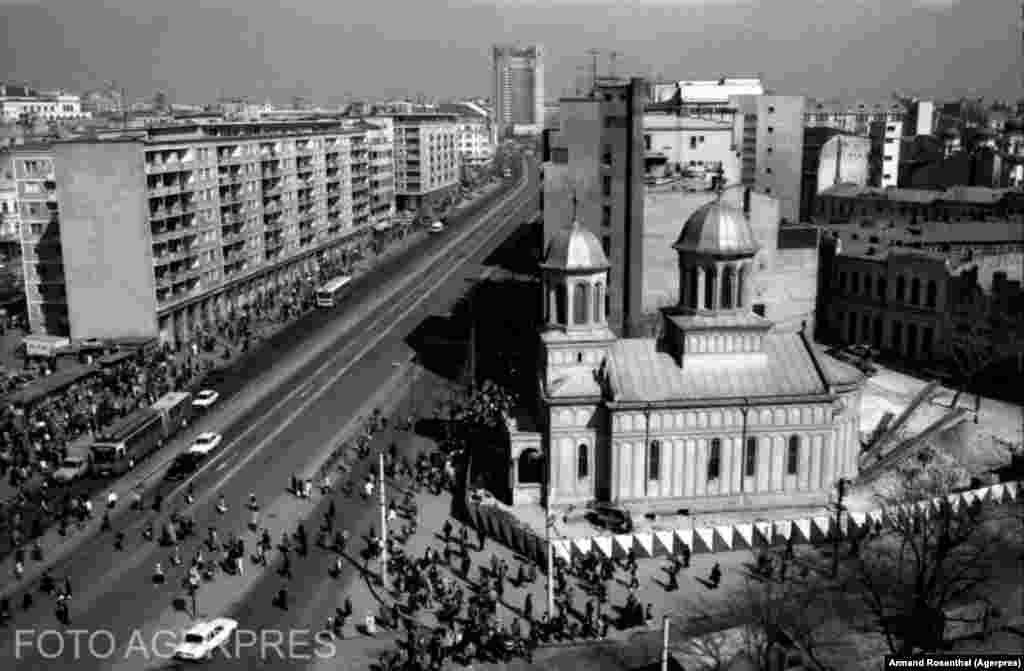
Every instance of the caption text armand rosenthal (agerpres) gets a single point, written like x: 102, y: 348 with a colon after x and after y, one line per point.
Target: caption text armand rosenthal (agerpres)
x: 992, y: 662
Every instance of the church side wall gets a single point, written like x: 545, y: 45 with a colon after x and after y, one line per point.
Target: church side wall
x: 827, y: 450
x: 571, y: 428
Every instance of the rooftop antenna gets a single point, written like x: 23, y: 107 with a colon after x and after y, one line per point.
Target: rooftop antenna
x: 613, y: 57
x: 593, y: 53
x: 575, y: 202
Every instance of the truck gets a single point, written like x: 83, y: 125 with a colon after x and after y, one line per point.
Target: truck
x: 128, y: 441
x: 175, y: 408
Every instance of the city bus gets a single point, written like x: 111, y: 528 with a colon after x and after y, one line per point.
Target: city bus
x: 331, y: 293
x: 130, y: 440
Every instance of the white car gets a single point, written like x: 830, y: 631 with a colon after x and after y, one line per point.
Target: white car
x: 203, y: 638
x: 205, y: 443
x: 205, y: 399
x: 436, y: 227
x: 71, y: 469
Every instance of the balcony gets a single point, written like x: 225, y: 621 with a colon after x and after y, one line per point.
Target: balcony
x: 232, y: 218
x: 233, y: 178
x: 231, y: 197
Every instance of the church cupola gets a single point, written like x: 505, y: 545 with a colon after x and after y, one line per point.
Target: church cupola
x: 575, y: 280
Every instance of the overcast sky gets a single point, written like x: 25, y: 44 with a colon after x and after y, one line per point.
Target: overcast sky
x: 330, y: 50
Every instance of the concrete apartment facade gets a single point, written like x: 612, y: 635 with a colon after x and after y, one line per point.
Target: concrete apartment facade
x: 883, y: 123
x: 427, y: 160
x: 518, y: 88
x: 20, y: 103
x: 831, y: 157
x: 474, y: 128
x: 160, y: 232
x: 597, y: 156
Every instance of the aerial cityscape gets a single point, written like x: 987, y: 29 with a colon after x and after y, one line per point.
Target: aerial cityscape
x: 509, y: 335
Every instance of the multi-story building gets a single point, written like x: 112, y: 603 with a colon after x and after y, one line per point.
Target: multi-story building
x: 848, y: 203
x: 19, y: 103
x: 883, y: 123
x: 474, y: 144
x: 706, y: 91
x: 427, y: 161
x: 771, y: 147
x: 380, y: 142
x: 159, y: 232
x: 8, y: 203
x: 678, y: 142
x: 831, y: 157
x: 594, y: 164
x: 518, y: 83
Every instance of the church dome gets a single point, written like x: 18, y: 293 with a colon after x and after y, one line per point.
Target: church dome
x: 718, y: 229
x: 575, y: 248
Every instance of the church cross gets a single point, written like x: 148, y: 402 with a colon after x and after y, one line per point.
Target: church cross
x: 575, y: 202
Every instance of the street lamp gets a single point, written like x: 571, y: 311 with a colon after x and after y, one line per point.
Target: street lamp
x: 743, y: 448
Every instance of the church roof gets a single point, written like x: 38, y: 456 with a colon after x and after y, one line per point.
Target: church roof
x: 575, y: 248
x: 717, y: 228
x: 639, y: 372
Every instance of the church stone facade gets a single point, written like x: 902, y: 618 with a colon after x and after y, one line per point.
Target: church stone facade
x: 718, y: 412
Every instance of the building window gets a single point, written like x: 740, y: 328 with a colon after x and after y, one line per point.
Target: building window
x: 915, y: 291
x: 582, y: 463
x: 927, y: 341
x: 598, y: 300
x: 579, y: 304
x: 771, y: 130
x: 606, y: 245
x: 606, y: 185
x: 901, y: 288
x: 865, y: 328
x: 693, y: 142
x: 768, y: 171
x: 560, y: 304
x: 709, y: 289
x: 842, y: 281
x: 759, y: 309
x: 897, y: 336
x: 531, y: 466
x: 867, y: 286
x: 881, y: 288
x: 701, y: 139
x: 606, y: 216
x: 654, y: 461
x: 750, y: 460
x: 647, y: 142
x: 932, y: 293
x: 855, y: 283
x: 715, y: 459
x: 771, y: 109
x: 793, y: 455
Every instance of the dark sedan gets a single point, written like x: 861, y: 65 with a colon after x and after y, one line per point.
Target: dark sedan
x: 611, y: 518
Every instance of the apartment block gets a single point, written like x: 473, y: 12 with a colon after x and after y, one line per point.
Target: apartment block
x: 474, y: 144
x: 883, y: 123
x: 20, y: 103
x: 427, y: 160
x: 518, y: 83
x: 159, y: 232
x: 597, y: 157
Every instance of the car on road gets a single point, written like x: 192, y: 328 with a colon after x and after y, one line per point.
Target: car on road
x: 205, y: 443
x: 609, y: 517
x: 436, y: 227
x: 859, y: 356
x: 71, y: 469
x: 205, y: 398
x: 203, y: 638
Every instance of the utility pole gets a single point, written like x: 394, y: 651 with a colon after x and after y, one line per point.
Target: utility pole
x: 664, y: 642
x: 841, y: 485
x: 383, y: 528
x: 593, y: 53
x: 550, y: 521
x: 743, y: 449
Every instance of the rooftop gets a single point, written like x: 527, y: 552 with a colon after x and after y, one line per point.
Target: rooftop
x: 717, y: 228
x: 961, y: 194
x: 574, y: 248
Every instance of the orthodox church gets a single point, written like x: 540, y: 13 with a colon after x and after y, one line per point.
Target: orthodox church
x: 717, y: 412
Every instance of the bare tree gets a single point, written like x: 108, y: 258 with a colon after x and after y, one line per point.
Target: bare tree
x: 932, y: 559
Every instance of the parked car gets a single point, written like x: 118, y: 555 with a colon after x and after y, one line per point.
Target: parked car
x: 206, y: 442
x: 184, y: 465
x: 609, y: 517
x: 204, y: 637
x: 71, y: 469
x: 205, y: 398
x: 436, y: 227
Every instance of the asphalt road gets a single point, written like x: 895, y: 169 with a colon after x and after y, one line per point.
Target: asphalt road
x: 263, y: 448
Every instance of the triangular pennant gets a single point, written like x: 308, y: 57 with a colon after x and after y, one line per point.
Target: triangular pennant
x: 802, y: 527
x: 561, y: 549
x: 723, y: 538
x: 644, y: 545
x: 744, y: 536
x: 703, y: 540
x: 782, y: 531
x: 1012, y: 490
x: 762, y: 533
x: 604, y: 545
x: 954, y: 501
x: 664, y: 543
x: 983, y: 493
x: 622, y: 544
x: 821, y: 527
x: 858, y: 520
x: 970, y: 497
x: 684, y: 537
x: 998, y: 493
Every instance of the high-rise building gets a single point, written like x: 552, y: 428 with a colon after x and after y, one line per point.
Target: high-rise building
x: 158, y: 232
x: 518, y: 88
x: 427, y: 160
x: 594, y: 164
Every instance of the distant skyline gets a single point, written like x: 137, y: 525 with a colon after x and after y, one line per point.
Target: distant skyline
x: 331, y: 51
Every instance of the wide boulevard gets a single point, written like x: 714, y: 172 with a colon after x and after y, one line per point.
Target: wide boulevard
x: 276, y: 425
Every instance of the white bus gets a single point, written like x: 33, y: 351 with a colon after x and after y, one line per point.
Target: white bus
x: 331, y: 293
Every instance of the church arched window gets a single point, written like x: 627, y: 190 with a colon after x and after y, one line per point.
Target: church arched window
x: 750, y: 465
x: 561, y: 301
x: 715, y: 459
x: 709, y: 288
x: 915, y: 291
x: 932, y: 293
x: 598, y: 301
x: 691, y: 295
x: 741, y: 285
x: 654, y: 461
x: 582, y: 462
x: 793, y: 455
x: 727, y: 279
x: 531, y: 467
x: 580, y: 298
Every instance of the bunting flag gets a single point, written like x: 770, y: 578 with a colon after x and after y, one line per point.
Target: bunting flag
x: 762, y: 534
x: 684, y: 537
x: 1013, y: 490
x: 603, y: 544
x: 664, y: 543
x: 782, y: 531
x: 820, y: 526
x: 857, y: 521
x: 985, y: 494
x: 561, y: 549
x: 998, y: 493
x: 970, y: 497
x: 722, y: 538
x: 621, y: 545
x: 743, y: 537
x: 802, y: 531
x: 955, y: 500
x: 584, y: 545
x: 644, y: 545
x: 703, y: 540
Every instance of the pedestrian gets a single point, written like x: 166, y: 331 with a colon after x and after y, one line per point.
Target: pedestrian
x: 119, y: 541
x: 239, y: 565
x: 528, y: 607
x: 481, y: 537
x: 19, y: 570
x: 67, y: 586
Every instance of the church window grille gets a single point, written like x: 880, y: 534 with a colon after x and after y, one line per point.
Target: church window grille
x: 654, y: 461
x: 793, y: 455
x: 579, y: 304
x: 727, y: 279
x: 715, y: 459
x: 750, y: 467
x: 582, y: 462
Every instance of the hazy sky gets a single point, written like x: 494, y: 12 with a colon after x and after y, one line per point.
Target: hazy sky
x: 332, y: 49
